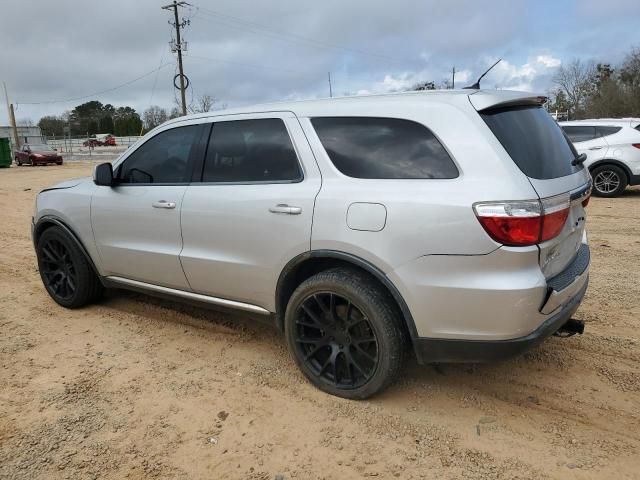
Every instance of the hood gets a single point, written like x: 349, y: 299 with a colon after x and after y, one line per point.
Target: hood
x: 45, y: 153
x: 67, y: 184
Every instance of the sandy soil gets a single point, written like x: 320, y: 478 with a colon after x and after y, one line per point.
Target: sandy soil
x: 138, y: 388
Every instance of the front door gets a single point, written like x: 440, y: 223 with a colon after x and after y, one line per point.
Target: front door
x: 252, y: 211
x: 136, y: 223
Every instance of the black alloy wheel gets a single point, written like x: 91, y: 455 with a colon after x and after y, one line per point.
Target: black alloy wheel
x: 58, y: 270
x: 65, y: 270
x: 336, y: 340
x: 345, y: 332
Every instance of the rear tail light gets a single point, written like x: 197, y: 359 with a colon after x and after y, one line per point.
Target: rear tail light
x: 637, y: 145
x: 525, y: 222
x: 555, y: 211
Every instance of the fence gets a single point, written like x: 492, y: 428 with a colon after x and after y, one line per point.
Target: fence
x: 76, y: 144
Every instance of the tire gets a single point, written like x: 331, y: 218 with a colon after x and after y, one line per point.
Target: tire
x: 353, y: 350
x: 65, y: 271
x: 608, y: 181
x: 18, y: 162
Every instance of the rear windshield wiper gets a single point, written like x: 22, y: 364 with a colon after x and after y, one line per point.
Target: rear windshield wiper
x: 579, y: 160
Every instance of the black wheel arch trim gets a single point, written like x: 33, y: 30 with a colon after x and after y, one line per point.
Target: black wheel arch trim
x: 358, y: 262
x: 50, y: 219
x: 617, y: 163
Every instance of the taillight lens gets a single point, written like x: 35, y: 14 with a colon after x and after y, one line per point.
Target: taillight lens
x: 637, y: 145
x: 555, y: 211
x: 511, y: 223
x: 524, y: 223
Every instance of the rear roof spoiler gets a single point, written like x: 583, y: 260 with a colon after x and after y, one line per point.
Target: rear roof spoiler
x: 486, y: 99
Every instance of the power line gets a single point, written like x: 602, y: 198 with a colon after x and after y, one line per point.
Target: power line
x: 261, y: 29
x: 66, y: 100
x: 248, y: 65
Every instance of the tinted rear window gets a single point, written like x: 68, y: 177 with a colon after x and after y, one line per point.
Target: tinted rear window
x: 391, y: 148
x: 534, y: 141
x: 251, y: 151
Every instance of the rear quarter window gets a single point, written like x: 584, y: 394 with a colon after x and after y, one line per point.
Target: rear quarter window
x: 606, y: 131
x: 580, y: 133
x: 533, y: 140
x: 383, y: 148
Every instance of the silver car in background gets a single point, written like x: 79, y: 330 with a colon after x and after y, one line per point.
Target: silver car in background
x: 451, y: 221
x: 612, y: 148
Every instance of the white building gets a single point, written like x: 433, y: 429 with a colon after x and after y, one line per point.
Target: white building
x: 26, y: 135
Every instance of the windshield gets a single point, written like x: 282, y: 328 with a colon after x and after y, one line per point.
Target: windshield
x: 534, y: 141
x: 40, y: 148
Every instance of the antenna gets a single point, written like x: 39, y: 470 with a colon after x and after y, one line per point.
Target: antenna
x: 476, y: 86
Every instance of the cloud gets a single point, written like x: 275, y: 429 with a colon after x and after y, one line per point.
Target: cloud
x: 247, y: 51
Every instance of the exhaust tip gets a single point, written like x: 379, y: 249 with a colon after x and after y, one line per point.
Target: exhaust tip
x: 571, y: 327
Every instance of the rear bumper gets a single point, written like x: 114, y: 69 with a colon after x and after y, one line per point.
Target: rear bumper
x: 434, y: 350
x: 488, y: 307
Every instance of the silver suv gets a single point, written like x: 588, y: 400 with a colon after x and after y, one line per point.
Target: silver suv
x: 450, y: 221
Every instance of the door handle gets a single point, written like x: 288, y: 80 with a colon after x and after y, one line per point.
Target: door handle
x: 284, y: 208
x: 596, y: 148
x: 164, y: 204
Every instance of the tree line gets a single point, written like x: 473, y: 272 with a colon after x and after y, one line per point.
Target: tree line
x: 93, y: 117
x: 598, y: 90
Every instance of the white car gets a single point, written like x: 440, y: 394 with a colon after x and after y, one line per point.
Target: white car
x: 612, y: 147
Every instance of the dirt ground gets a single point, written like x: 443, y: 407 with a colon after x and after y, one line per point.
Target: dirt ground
x: 139, y: 388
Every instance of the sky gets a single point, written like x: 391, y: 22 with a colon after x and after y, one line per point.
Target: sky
x: 247, y: 51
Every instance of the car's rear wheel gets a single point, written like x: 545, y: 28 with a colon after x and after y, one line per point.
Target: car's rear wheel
x: 65, y: 271
x: 608, y: 181
x: 345, y: 333
x: 18, y: 162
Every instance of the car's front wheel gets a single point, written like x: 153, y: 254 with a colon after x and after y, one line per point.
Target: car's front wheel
x: 345, y: 333
x: 65, y: 271
x: 608, y: 181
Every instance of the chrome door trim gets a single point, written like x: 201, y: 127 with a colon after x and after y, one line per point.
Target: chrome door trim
x: 189, y: 295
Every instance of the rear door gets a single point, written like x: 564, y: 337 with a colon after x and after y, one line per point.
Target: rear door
x: 250, y: 211
x: 588, y: 140
x: 535, y: 142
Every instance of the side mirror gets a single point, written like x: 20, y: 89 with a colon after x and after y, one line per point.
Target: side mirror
x: 103, y: 175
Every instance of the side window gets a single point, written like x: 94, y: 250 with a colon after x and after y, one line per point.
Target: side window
x: 368, y: 147
x: 605, y: 131
x: 162, y: 159
x: 579, y: 133
x: 251, y: 151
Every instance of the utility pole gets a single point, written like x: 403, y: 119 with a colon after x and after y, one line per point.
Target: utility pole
x: 453, y: 78
x: 178, y: 48
x: 12, y: 119
x: 330, y: 87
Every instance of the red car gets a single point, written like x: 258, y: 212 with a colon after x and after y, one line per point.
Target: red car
x: 107, y: 141
x: 37, y: 155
